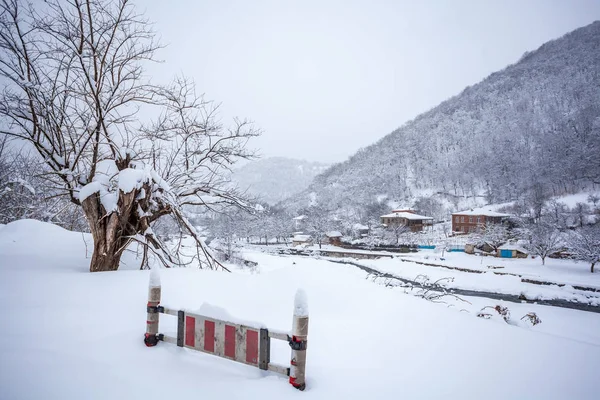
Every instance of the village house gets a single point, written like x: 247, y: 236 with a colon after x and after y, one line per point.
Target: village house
x: 301, y: 240
x: 475, y: 218
x: 408, y: 218
x: 360, y: 230
x: 512, y: 251
x: 334, y: 237
x: 299, y: 222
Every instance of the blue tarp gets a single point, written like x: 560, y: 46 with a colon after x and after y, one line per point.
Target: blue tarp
x: 505, y: 253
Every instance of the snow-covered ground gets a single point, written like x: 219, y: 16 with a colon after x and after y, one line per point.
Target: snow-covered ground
x: 498, y: 275
x: 564, y: 272
x: 69, y: 334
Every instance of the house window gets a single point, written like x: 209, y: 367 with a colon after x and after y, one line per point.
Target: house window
x: 470, y: 220
x: 462, y: 219
x: 478, y: 220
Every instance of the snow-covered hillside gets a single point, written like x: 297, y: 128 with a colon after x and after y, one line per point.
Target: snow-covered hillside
x: 530, y: 129
x: 274, y: 179
x: 71, y: 334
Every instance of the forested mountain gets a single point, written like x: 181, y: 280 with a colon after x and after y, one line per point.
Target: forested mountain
x: 528, y: 131
x: 274, y: 179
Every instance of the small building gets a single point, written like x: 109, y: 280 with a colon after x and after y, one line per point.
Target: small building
x: 360, y: 230
x: 334, y: 237
x: 301, y: 240
x: 475, y: 218
x: 511, y: 251
x: 408, y: 218
x: 470, y: 248
x: 299, y: 221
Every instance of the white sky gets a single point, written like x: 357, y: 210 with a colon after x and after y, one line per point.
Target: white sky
x: 325, y: 78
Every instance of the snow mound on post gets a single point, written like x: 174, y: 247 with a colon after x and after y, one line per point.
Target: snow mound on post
x: 301, y: 303
x: 154, y: 278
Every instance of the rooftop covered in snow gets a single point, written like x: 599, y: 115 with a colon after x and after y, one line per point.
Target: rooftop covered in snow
x: 488, y: 212
x: 406, y: 215
x: 513, y: 247
x: 301, y: 238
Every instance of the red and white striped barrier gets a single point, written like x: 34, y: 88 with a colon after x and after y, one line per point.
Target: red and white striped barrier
x: 236, y: 342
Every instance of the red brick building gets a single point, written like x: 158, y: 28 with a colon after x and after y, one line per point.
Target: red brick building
x: 471, y: 220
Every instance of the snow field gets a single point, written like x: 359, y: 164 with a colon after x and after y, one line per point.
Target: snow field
x: 72, y: 334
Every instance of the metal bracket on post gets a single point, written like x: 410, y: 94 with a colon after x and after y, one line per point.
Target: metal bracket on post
x: 155, y: 309
x: 297, y: 344
x: 180, y: 327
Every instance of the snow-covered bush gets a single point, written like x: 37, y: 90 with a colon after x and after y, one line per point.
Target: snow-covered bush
x: 498, y: 311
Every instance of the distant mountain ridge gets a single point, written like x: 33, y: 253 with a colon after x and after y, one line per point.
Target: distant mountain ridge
x: 529, y: 131
x: 276, y: 178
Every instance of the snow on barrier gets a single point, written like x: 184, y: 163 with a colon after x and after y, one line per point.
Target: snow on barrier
x: 236, y: 342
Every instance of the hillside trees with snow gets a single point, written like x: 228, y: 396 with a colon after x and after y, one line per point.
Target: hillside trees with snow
x: 430, y: 207
x: 527, y: 132
x: 74, y: 82
x: 26, y: 193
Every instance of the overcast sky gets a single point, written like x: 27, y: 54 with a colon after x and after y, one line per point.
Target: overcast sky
x: 325, y: 78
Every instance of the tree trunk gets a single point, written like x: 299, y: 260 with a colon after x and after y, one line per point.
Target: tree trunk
x: 543, y: 260
x: 593, y: 267
x: 110, y: 237
x: 104, y: 258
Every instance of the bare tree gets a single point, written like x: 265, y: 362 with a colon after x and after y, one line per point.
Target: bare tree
x: 544, y: 240
x: 282, y: 224
x: 584, y: 245
x: 556, y: 213
x: 75, y: 83
x: 225, y: 228
x: 317, y: 222
x: 397, y: 230
x: 581, y: 210
x: 493, y: 235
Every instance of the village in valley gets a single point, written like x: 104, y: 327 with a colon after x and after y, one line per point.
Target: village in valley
x: 404, y: 243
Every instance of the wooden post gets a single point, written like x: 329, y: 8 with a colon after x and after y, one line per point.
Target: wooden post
x: 154, y: 289
x: 298, y: 341
x: 264, y: 353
